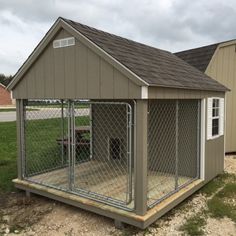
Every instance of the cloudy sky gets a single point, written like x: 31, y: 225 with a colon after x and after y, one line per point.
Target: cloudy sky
x: 173, y: 25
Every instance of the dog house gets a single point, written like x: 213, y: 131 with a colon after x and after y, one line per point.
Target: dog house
x: 114, y: 126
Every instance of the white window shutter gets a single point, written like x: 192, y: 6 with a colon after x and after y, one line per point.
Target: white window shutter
x: 222, y: 112
x: 209, y: 118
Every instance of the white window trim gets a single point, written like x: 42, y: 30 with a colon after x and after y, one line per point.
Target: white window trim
x: 210, y: 118
x: 203, y: 140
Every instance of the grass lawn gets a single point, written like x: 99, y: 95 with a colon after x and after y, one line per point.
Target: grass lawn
x: 42, y: 149
x: 14, y: 109
x: 7, y: 155
x: 221, y: 195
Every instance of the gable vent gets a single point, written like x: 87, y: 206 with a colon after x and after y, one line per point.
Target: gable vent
x: 66, y: 42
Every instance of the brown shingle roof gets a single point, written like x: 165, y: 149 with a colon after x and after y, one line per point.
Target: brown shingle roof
x: 198, y: 57
x: 155, y: 66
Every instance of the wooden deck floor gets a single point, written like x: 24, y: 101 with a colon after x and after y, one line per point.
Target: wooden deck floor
x: 108, y: 179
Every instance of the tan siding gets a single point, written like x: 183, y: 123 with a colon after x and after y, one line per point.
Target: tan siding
x: 30, y: 78
x: 223, y: 69
x: 39, y: 78
x: 93, y: 75
x: 75, y: 72
x: 49, y: 72
x: 134, y: 90
x: 121, y: 85
x: 107, y: 80
x: 168, y: 93
x: 81, y: 70
x: 214, y: 155
x: 70, y: 54
x: 59, y: 72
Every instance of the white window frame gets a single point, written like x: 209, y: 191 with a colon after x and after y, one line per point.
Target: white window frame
x: 214, y: 117
x: 210, y: 117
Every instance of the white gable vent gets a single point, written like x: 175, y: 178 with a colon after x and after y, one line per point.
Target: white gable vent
x: 66, y: 42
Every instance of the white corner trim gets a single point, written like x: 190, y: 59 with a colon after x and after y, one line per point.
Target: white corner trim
x: 203, y: 138
x: 144, y: 92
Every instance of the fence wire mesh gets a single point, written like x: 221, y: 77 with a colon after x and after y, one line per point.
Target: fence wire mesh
x: 173, y: 146
x: 44, y: 125
x: 81, y: 147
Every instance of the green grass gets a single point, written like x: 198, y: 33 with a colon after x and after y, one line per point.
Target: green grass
x: 219, y: 205
x: 193, y: 226
x: 14, y: 109
x: 7, y: 155
x: 220, y: 192
x: 42, y: 150
x: 213, y: 186
x: 7, y: 109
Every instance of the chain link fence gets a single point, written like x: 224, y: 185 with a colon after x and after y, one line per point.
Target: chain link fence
x: 82, y: 147
x: 173, y: 146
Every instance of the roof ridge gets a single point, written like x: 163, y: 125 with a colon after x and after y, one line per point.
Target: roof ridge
x: 205, y: 46
x: 116, y: 36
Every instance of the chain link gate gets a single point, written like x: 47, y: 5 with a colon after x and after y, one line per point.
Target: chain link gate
x: 173, y: 146
x: 81, y: 147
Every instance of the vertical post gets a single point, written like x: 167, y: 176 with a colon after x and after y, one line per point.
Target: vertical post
x: 20, y: 138
x: 73, y: 145
x: 91, y: 130
x: 62, y: 132
x: 141, y: 157
x: 176, y: 143
x: 129, y: 153
x: 198, y: 137
x: 69, y: 144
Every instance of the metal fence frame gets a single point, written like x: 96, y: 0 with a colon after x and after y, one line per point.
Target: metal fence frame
x: 177, y: 186
x: 70, y: 116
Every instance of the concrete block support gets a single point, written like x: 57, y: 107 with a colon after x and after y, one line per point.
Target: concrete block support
x: 141, y: 157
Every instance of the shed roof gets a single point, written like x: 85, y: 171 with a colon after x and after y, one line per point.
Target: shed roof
x: 155, y: 66
x: 198, y: 57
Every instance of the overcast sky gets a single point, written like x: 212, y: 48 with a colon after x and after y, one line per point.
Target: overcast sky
x: 173, y: 25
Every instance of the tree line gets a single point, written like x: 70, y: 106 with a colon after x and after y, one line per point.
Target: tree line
x: 5, y: 80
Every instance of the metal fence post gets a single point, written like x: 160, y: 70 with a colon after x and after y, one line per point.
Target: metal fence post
x: 176, y: 143
x: 62, y: 131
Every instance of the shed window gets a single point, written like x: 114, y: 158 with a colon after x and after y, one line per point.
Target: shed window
x: 215, y: 117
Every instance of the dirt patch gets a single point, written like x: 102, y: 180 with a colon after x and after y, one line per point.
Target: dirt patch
x: 18, y: 212
x: 230, y: 164
x: 219, y: 227
x: 41, y: 216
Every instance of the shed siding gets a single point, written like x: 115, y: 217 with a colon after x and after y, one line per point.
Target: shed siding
x: 74, y: 72
x: 171, y: 93
x: 222, y: 68
x: 214, y: 154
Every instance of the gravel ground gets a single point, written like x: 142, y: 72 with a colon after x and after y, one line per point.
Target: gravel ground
x: 40, y: 216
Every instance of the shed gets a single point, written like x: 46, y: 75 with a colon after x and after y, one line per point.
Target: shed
x: 117, y: 127
x: 219, y: 62
x: 5, y: 96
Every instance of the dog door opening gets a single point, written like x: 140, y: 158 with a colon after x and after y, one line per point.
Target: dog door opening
x: 115, y: 148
